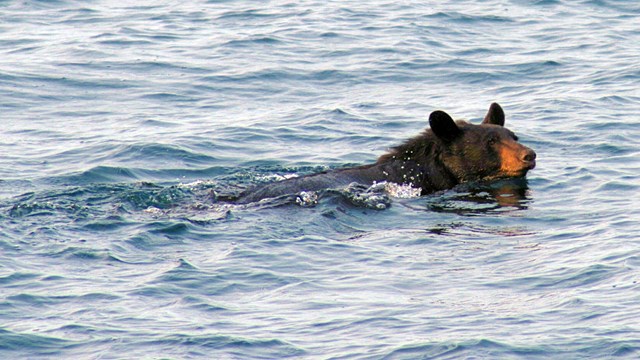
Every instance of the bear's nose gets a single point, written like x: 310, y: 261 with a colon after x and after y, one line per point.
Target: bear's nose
x: 529, y: 155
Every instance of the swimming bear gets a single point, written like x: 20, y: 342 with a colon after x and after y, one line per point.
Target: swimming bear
x: 446, y: 154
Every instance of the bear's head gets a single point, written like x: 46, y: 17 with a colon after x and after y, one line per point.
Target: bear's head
x: 480, y: 152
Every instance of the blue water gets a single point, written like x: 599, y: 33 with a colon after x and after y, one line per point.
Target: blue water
x: 120, y: 124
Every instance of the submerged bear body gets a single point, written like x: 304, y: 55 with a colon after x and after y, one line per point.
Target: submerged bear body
x: 446, y: 154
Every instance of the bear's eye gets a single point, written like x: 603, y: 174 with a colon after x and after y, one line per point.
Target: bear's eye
x: 493, y: 140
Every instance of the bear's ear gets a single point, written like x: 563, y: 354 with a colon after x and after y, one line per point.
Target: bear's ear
x: 494, y: 116
x: 443, y: 125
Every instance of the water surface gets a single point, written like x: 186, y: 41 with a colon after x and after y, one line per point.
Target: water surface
x: 121, y: 123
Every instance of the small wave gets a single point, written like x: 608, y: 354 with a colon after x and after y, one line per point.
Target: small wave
x: 186, y: 276
x: 254, y: 41
x: 589, y: 347
x: 42, y: 300
x: 82, y: 254
x: 202, y: 304
x: 240, y: 347
x: 245, y: 15
x: 31, y: 344
x: 464, y: 349
x: 461, y: 18
x: 565, y: 279
x: 281, y: 75
x: 17, y: 278
x: 153, y: 153
x: 99, y: 174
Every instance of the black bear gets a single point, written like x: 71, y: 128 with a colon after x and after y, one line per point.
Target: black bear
x: 448, y: 153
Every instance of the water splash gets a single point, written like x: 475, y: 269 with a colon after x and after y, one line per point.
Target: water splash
x: 372, y: 197
x: 307, y: 198
x: 400, y: 191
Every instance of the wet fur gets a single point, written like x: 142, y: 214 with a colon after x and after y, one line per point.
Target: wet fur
x: 444, y: 155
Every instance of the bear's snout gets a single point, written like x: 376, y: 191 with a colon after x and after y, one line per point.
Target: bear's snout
x: 529, y: 157
x: 516, y: 159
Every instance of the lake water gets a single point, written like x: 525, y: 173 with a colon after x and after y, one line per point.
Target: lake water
x: 121, y: 123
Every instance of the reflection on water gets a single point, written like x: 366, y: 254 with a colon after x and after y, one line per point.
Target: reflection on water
x: 483, y: 197
x: 507, y: 196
